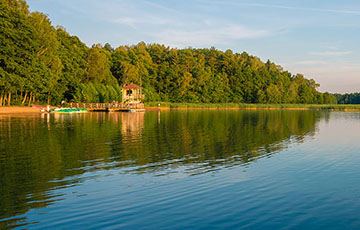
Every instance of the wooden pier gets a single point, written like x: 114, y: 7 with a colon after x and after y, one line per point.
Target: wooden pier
x: 109, y: 107
x: 132, y: 101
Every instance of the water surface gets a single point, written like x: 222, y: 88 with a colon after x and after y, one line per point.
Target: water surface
x: 201, y: 169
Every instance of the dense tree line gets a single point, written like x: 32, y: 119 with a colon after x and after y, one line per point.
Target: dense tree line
x: 348, y: 98
x: 211, y: 76
x: 43, y: 64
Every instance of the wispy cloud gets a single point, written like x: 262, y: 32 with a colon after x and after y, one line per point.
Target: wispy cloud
x: 310, y: 62
x: 146, y: 20
x: 331, y: 53
x: 159, y: 6
x: 329, y: 46
x: 210, y: 37
x: 177, y: 29
x: 286, y: 7
x: 125, y: 21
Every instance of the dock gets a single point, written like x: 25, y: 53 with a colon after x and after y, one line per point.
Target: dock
x: 109, y: 107
x: 132, y: 101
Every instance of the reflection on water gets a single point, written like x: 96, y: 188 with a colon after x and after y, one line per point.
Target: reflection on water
x: 132, y: 125
x: 214, y: 138
x: 40, y: 154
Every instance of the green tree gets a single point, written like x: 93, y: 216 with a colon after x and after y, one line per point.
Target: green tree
x: 98, y: 66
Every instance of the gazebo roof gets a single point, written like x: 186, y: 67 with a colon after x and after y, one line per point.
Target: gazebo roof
x: 131, y: 86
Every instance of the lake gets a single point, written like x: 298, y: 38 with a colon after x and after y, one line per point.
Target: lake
x: 190, y: 169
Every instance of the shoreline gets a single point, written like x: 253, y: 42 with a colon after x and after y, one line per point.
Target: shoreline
x: 18, y: 110
x: 232, y: 106
x: 193, y: 106
x: 246, y: 108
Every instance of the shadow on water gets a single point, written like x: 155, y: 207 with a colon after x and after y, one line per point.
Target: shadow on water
x: 40, y: 154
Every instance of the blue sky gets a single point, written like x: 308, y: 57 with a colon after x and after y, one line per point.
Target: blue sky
x: 318, y: 38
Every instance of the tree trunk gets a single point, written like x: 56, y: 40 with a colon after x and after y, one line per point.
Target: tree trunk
x: 23, y: 102
x: 16, y: 97
x: 33, y: 99
x: 1, y: 99
x: 9, y: 99
x: 4, y: 98
x: 30, y: 99
x: 48, y: 100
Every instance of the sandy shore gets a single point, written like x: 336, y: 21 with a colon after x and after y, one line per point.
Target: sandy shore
x: 19, y: 109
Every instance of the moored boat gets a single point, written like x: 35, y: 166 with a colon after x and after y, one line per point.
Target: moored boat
x: 68, y: 110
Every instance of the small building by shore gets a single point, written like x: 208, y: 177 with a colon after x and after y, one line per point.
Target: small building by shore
x: 132, y: 94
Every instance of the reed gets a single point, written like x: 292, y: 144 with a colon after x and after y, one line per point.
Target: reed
x: 340, y: 107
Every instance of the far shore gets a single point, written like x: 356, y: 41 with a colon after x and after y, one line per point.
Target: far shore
x: 161, y: 106
x: 209, y: 106
x: 248, y: 108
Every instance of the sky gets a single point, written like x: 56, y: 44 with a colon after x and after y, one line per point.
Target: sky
x: 317, y: 38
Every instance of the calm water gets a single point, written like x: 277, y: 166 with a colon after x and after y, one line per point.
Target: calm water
x: 181, y: 170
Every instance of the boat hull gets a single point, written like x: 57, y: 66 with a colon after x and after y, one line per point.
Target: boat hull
x: 68, y: 110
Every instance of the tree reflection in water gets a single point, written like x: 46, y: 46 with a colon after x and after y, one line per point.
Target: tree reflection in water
x: 42, y: 153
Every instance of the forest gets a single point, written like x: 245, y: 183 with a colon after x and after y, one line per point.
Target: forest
x: 43, y: 64
x: 348, y: 98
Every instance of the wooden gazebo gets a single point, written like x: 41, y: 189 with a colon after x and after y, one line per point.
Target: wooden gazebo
x: 132, y: 94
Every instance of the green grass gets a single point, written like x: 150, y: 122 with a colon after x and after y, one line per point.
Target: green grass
x: 253, y: 106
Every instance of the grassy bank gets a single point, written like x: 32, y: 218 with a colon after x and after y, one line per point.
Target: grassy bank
x: 250, y: 106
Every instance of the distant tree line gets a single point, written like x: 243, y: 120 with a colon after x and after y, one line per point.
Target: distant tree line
x: 43, y: 64
x: 348, y: 98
